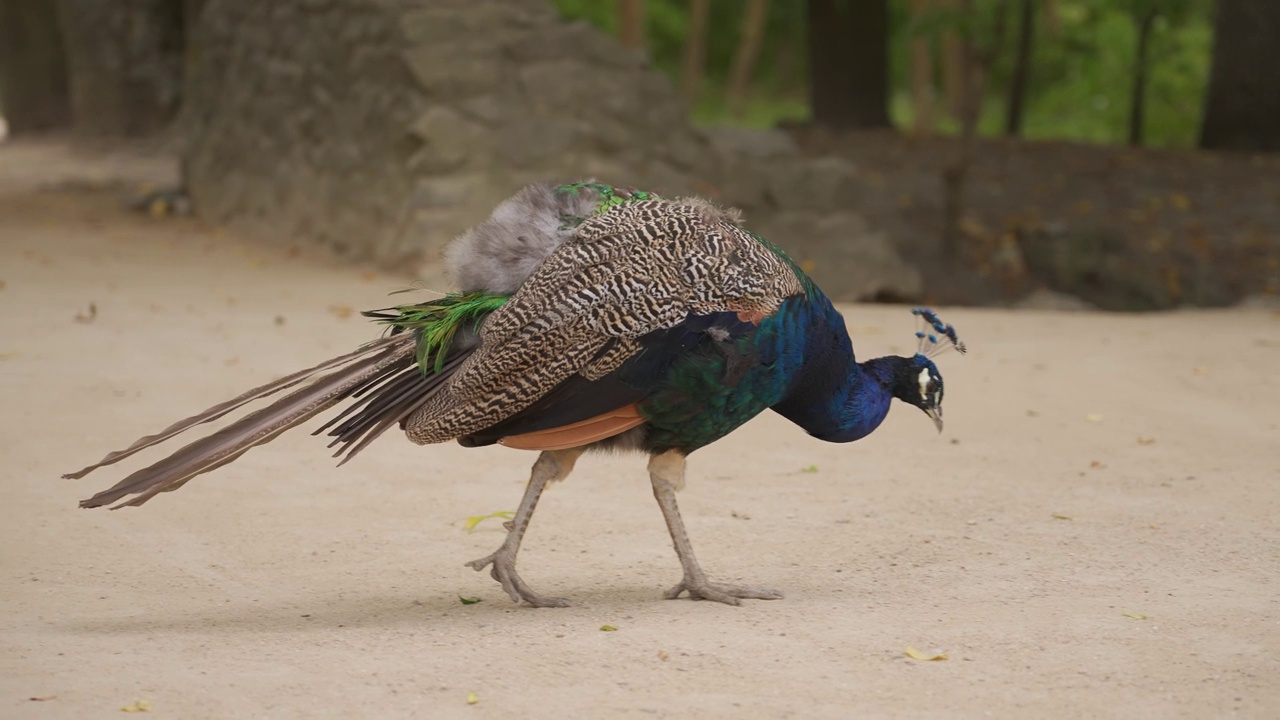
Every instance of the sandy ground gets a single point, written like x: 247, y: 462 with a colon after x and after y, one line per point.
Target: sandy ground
x: 1094, y: 535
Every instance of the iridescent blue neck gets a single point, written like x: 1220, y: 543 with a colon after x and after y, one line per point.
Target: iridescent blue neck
x: 833, y: 396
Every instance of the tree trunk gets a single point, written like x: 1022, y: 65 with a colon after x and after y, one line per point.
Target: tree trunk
x: 849, y: 63
x: 953, y: 66
x: 125, y: 59
x: 744, y: 58
x: 631, y: 24
x: 693, y: 65
x: 955, y: 176
x: 1137, y: 100
x: 33, y: 68
x: 787, y: 61
x: 1021, y: 70
x: 976, y: 61
x: 923, y: 120
x: 1243, y: 103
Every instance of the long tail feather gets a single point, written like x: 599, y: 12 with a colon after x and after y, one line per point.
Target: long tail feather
x: 363, y: 430
x: 222, y: 409
x: 261, y: 426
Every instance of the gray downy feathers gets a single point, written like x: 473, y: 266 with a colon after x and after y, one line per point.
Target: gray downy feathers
x: 499, y: 254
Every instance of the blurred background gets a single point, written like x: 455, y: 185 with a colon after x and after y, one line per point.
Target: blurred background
x: 1117, y: 154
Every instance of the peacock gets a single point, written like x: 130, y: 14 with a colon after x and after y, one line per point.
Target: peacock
x: 588, y: 317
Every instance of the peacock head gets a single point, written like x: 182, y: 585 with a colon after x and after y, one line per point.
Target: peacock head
x: 918, y: 381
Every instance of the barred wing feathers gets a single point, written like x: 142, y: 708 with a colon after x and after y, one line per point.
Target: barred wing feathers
x: 640, y: 267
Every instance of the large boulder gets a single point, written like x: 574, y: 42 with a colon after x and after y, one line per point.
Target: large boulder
x: 381, y: 128
x: 808, y: 206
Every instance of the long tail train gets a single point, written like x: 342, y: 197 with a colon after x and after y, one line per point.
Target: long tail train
x: 383, y: 376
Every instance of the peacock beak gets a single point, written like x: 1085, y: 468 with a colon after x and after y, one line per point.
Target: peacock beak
x: 935, y: 413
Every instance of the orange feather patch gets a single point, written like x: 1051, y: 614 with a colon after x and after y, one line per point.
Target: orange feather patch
x: 583, y: 432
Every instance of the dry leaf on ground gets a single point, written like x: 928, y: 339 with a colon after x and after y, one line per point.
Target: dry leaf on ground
x: 915, y: 654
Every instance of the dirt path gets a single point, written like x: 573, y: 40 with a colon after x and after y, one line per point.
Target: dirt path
x: 1095, y: 535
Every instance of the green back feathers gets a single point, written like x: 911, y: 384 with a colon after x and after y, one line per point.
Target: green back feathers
x: 610, y: 197
x: 435, y: 323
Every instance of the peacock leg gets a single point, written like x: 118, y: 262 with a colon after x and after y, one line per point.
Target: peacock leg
x: 666, y: 472
x: 551, y: 466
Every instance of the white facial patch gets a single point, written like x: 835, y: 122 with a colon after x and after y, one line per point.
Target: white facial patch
x: 924, y: 383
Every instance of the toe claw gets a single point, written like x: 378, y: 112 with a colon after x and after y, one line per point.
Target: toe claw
x: 721, y: 592
x: 504, y: 571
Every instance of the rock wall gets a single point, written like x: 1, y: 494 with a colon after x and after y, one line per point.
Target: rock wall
x: 381, y: 128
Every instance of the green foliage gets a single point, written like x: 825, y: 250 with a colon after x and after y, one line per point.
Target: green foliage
x: 1082, y: 80
x: 1081, y: 76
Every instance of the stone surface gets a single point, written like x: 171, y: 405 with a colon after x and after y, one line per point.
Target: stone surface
x: 381, y: 128
x: 848, y: 260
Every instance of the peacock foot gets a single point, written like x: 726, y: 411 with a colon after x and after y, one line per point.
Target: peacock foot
x: 504, y: 571
x: 702, y: 589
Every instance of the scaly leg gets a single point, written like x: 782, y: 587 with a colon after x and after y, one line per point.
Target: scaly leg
x: 551, y: 466
x: 666, y: 472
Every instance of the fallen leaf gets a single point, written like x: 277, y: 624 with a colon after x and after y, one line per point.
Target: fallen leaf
x: 1097, y: 465
x: 809, y: 469
x: 468, y: 600
x: 662, y: 655
x: 43, y: 698
x: 86, y: 318
x: 808, y: 265
x: 139, y: 706
x: 1056, y: 516
x: 915, y: 654
x: 1093, y: 418
x: 607, y: 628
x: 342, y: 312
x: 1199, y: 370
x: 472, y: 698
x: 1136, y: 616
x: 1146, y: 440
x: 470, y: 524
x: 740, y: 516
